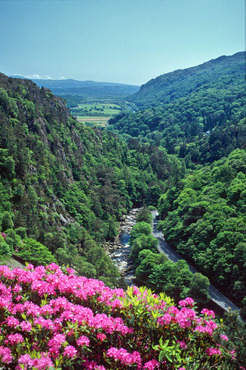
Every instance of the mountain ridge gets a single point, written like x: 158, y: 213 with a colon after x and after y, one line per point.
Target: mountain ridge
x: 166, y: 87
x: 83, y: 88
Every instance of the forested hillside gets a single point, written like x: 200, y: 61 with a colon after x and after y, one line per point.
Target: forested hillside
x: 205, y: 220
x: 219, y: 72
x: 198, y: 116
x: 196, y: 113
x: 64, y: 186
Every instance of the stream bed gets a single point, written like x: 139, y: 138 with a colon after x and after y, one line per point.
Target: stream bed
x: 119, y: 250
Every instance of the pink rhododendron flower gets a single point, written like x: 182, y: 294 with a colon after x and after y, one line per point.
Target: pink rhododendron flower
x: 70, y: 270
x: 30, y: 267
x: 83, y: 341
x: 224, y: 337
x: 66, y: 313
x: 57, y: 340
x: 25, y: 359
x: 26, y: 326
x: 6, y: 355
x: 14, y: 339
x: 42, y: 363
x: 12, y: 321
x: 207, y: 312
x: 151, y: 365
x: 182, y: 343
x: 123, y: 356
x: 213, y: 351
x: 165, y: 319
x: 101, y: 336
x: 17, y: 288
x: 70, y: 351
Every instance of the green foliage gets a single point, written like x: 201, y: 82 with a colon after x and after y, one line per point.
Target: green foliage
x: 8, y: 104
x: 235, y: 328
x: 144, y: 215
x: 65, y: 184
x: 205, y: 221
x: 198, y: 288
x: 140, y: 243
x: 197, y: 114
x: 21, y: 231
x: 145, y: 263
x: 101, y: 262
x: 7, y: 164
x: 4, y: 247
x: 169, y: 277
x: 140, y: 229
x: 32, y: 251
x: 6, y: 220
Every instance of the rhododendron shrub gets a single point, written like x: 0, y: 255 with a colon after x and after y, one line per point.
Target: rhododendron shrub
x: 51, y: 318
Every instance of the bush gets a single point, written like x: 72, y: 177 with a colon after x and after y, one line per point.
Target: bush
x: 32, y: 251
x: 4, y: 247
x: 7, y: 222
x: 51, y: 318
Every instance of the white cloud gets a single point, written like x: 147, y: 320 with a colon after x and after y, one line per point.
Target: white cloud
x: 39, y: 77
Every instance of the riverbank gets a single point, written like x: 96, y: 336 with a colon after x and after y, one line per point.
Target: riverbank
x: 119, y: 249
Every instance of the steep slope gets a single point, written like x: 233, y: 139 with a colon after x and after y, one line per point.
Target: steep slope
x: 62, y: 184
x: 180, y: 83
x: 197, y: 113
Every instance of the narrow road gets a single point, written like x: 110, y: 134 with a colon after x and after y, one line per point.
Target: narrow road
x: 164, y: 248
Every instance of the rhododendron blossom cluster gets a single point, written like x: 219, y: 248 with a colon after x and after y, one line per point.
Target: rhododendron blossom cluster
x: 52, y: 318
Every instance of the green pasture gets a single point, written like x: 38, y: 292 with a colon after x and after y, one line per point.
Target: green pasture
x: 97, y: 108
x: 95, y: 113
x: 93, y: 120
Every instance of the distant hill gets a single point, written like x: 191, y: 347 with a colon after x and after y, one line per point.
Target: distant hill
x: 198, y: 111
x: 85, y: 88
x: 171, y: 86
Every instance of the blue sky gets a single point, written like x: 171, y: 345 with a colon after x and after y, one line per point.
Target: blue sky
x: 126, y: 41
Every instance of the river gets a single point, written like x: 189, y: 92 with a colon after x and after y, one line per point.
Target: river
x: 120, y: 250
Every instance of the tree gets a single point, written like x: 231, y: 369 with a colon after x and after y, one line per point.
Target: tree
x: 199, y: 287
x: 139, y: 229
x: 32, y: 251
x: 146, y: 261
x: 142, y: 242
x: 7, y: 222
x: 144, y: 215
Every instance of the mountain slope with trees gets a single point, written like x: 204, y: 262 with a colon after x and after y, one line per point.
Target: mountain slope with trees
x: 181, y: 83
x: 202, y: 119
x: 64, y: 186
x: 198, y: 116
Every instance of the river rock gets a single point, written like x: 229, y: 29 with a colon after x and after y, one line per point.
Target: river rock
x: 120, y: 249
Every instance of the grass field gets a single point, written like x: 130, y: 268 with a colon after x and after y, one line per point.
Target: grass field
x: 95, y: 113
x: 93, y: 120
x: 103, y: 108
